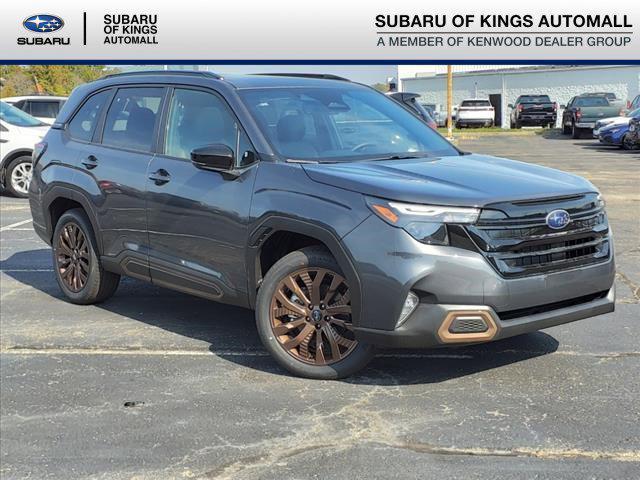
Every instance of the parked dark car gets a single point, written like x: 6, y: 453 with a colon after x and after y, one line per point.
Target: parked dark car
x: 533, y: 110
x: 335, y: 213
x: 633, y: 139
x: 410, y: 100
x: 582, y: 112
x: 618, y: 134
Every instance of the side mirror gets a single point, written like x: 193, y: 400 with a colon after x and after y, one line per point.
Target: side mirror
x: 510, y: 105
x: 213, y: 157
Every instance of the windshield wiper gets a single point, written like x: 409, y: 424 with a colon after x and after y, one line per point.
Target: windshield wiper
x: 396, y: 157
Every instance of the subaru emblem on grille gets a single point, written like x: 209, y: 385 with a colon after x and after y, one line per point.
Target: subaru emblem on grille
x: 558, y: 219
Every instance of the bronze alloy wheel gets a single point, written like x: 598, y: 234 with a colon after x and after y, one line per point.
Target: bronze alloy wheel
x: 311, y: 316
x: 72, y: 256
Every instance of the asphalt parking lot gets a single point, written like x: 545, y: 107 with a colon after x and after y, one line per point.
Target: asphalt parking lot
x: 155, y: 384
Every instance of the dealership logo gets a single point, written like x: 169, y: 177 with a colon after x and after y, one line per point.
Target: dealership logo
x: 558, y: 219
x: 43, y: 23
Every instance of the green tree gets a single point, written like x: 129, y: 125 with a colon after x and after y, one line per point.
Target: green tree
x: 48, y: 79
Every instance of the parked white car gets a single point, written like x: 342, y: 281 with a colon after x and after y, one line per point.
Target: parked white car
x: 19, y: 132
x: 475, y: 112
x: 44, y: 107
x: 622, y: 120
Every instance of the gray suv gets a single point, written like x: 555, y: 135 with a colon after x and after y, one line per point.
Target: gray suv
x: 330, y: 209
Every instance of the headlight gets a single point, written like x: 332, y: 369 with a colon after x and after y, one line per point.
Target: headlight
x: 600, y: 201
x: 425, y: 223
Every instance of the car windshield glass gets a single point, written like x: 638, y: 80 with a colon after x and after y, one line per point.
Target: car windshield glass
x: 17, y: 117
x: 591, y: 102
x: 535, y: 99
x: 634, y: 113
x: 475, y: 103
x: 340, y: 124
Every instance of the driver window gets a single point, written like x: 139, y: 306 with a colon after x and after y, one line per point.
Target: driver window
x: 197, y: 119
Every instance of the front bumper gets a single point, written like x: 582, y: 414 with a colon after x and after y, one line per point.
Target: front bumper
x: 423, y: 328
x: 449, y: 279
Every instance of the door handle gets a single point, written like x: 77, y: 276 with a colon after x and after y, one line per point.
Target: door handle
x: 160, y: 177
x: 90, y: 162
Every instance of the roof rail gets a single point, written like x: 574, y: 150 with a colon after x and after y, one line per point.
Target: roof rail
x: 325, y: 76
x: 166, y: 72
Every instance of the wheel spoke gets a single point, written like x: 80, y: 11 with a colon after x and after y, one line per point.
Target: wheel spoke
x: 335, y: 283
x: 295, y: 341
x: 288, y: 327
x: 292, y: 285
x: 340, y: 323
x: 290, y: 304
x: 339, y: 310
x: 315, y: 287
x: 333, y: 344
x: 320, y: 360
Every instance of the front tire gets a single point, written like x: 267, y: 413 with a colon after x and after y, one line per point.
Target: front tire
x: 19, y: 176
x: 304, y: 317
x: 76, y: 262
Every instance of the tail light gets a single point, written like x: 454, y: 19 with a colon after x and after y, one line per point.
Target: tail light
x: 520, y: 107
x: 578, y: 113
x: 555, y: 106
x: 38, y: 149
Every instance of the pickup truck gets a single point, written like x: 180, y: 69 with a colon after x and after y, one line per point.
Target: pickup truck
x: 475, y: 111
x: 536, y: 110
x: 583, y: 111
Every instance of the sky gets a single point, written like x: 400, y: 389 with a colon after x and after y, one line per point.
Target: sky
x: 368, y: 74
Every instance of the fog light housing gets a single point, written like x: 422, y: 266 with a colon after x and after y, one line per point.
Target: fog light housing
x: 410, y: 304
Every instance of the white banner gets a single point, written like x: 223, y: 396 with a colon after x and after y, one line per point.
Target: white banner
x: 374, y: 30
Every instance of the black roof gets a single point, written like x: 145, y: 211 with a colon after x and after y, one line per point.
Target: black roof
x: 258, y: 80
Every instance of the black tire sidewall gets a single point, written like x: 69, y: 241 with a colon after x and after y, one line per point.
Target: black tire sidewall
x: 90, y: 291
x: 314, y: 257
x: 12, y: 165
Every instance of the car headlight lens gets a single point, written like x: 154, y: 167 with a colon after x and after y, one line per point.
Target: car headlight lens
x: 425, y: 223
x: 600, y: 201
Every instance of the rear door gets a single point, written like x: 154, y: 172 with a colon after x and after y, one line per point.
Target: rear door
x: 114, y: 170
x: 198, y: 218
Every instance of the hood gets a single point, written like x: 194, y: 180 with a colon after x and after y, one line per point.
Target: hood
x: 616, y: 120
x: 468, y: 180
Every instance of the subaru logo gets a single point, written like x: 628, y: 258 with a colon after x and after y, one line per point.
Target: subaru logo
x: 43, y: 23
x: 558, y: 219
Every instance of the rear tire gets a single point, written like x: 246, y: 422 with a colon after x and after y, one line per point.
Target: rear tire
x: 76, y: 262
x: 312, y: 340
x: 18, y: 176
x: 575, y: 131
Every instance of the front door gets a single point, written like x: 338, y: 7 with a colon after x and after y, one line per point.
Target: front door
x: 198, y: 218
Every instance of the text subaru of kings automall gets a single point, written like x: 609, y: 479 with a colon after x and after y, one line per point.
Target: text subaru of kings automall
x: 336, y: 214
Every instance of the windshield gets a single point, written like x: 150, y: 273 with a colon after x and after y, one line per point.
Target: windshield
x: 340, y: 124
x: 591, y: 102
x: 17, y: 117
x: 634, y: 113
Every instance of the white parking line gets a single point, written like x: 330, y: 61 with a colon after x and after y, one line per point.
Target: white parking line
x: 13, y: 225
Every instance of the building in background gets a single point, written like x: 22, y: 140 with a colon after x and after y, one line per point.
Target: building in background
x: 502, y: 84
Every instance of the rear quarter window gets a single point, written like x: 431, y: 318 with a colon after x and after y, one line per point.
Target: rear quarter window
x: 84, y: 121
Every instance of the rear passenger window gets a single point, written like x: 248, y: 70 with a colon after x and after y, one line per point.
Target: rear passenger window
x: 44, y: 109
x: 84, y: 122
x: 132, y: 118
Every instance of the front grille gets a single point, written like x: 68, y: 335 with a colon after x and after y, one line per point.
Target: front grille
x: 518, y: 242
